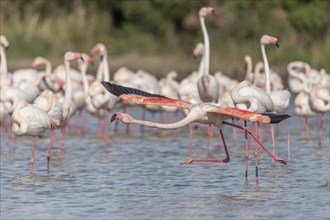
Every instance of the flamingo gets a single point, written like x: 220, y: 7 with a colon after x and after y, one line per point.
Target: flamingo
x: 280, y: 98
x: 208, y: 86
x: 319, y: 101
x: 5, y: 78
x: 207, y: 113
x: 102, y: 99
x: 68, y: 107
x: 30, y: 120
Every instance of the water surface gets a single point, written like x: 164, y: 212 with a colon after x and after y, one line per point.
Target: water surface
x: 140, y: 177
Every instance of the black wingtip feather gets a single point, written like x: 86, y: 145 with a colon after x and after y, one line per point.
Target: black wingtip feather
x: 118, y: 90
x: 275, y: 118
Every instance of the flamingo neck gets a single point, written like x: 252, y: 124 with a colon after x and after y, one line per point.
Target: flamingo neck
x: 187, y: 120
x: 201, y: 67
x: 48, y: 68
x: 68, y: 85
x: 206, y: 55
x: 83, y: 70
x: 248, y: 68
x: 266, y: 66
x: 49, y: 99
x: 106, y: 72
x: 3, y: 67
x: 100, y: 71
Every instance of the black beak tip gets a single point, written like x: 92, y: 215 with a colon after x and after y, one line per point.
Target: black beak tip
x: 277, y: 44
x: 213, y: 12
x: 113, y: 118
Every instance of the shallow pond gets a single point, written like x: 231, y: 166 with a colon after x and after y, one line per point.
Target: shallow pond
x: 139, y: 176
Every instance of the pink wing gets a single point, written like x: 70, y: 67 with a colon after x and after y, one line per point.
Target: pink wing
x: 243, y: 114
x: 143, y: 98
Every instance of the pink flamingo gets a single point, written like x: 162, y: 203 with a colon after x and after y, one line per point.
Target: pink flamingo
x: 206, y: 113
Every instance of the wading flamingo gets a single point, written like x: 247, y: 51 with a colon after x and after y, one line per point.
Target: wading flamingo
x: 280, y: 98
x: 206, y: 113
x: 30, y: 120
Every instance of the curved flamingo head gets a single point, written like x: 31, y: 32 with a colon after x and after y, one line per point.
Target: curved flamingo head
x: 247, y: 61
x: 121, y: 116
x: 99, y: 47
x: 199, y: 50
x: 266, y: 39
x: 206, y: 11
x: 86, y: 58
x: 37, y: 61
x: 71, y: 56
x: 3, y: 41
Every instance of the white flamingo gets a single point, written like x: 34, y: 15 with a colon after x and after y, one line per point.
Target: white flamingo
x: 208, y: 87
x: 5, y: 78
x: 280, y: 98
x: 30, y: 120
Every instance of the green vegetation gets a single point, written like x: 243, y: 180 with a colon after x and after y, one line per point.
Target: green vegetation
x: 169, y: 28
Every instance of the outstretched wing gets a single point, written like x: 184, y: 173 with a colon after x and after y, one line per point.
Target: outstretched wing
x: 250, y: 116
x: 141, y: 97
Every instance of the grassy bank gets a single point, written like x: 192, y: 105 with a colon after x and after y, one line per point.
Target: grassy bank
x: 159, y: 35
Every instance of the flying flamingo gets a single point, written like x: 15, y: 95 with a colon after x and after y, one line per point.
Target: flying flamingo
x: 206, y: 113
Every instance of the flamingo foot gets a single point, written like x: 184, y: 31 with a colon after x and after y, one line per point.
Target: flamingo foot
x: 280, y: 160
x: 209, y: 160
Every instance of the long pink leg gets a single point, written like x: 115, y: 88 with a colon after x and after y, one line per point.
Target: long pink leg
x: 246, y: 152
x: 304, y: 119
x: 106, y: 135
x: 13, y: 141
x: 32, y: 157
x: 235, y: 136
x: 256, y: 155
x: 61, y: 143
x: 288, y: 139
x: 278, y: 159
x: 210, y: 136
x: 190, y: 137
x: 273, y: 138
x: 321, y: 131
x: 226, y: 160
x: 51, y: 135
x: 99, y: 131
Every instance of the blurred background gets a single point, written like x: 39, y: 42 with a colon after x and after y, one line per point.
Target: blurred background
x: 159, y: 35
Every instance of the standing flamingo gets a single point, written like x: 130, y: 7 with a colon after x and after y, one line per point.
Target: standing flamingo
x: 5, y: 78
x: 207, y: 113
x: 319, y: 101
x: 30, y: 120
x: 280, y: 98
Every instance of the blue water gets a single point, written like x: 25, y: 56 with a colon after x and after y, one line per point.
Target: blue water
x: 140, y: 177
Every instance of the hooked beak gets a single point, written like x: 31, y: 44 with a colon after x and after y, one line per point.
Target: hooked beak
x: 277, y: 43
x: 101, y: 57
x: 213, y: 12
x: 113, y: 117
